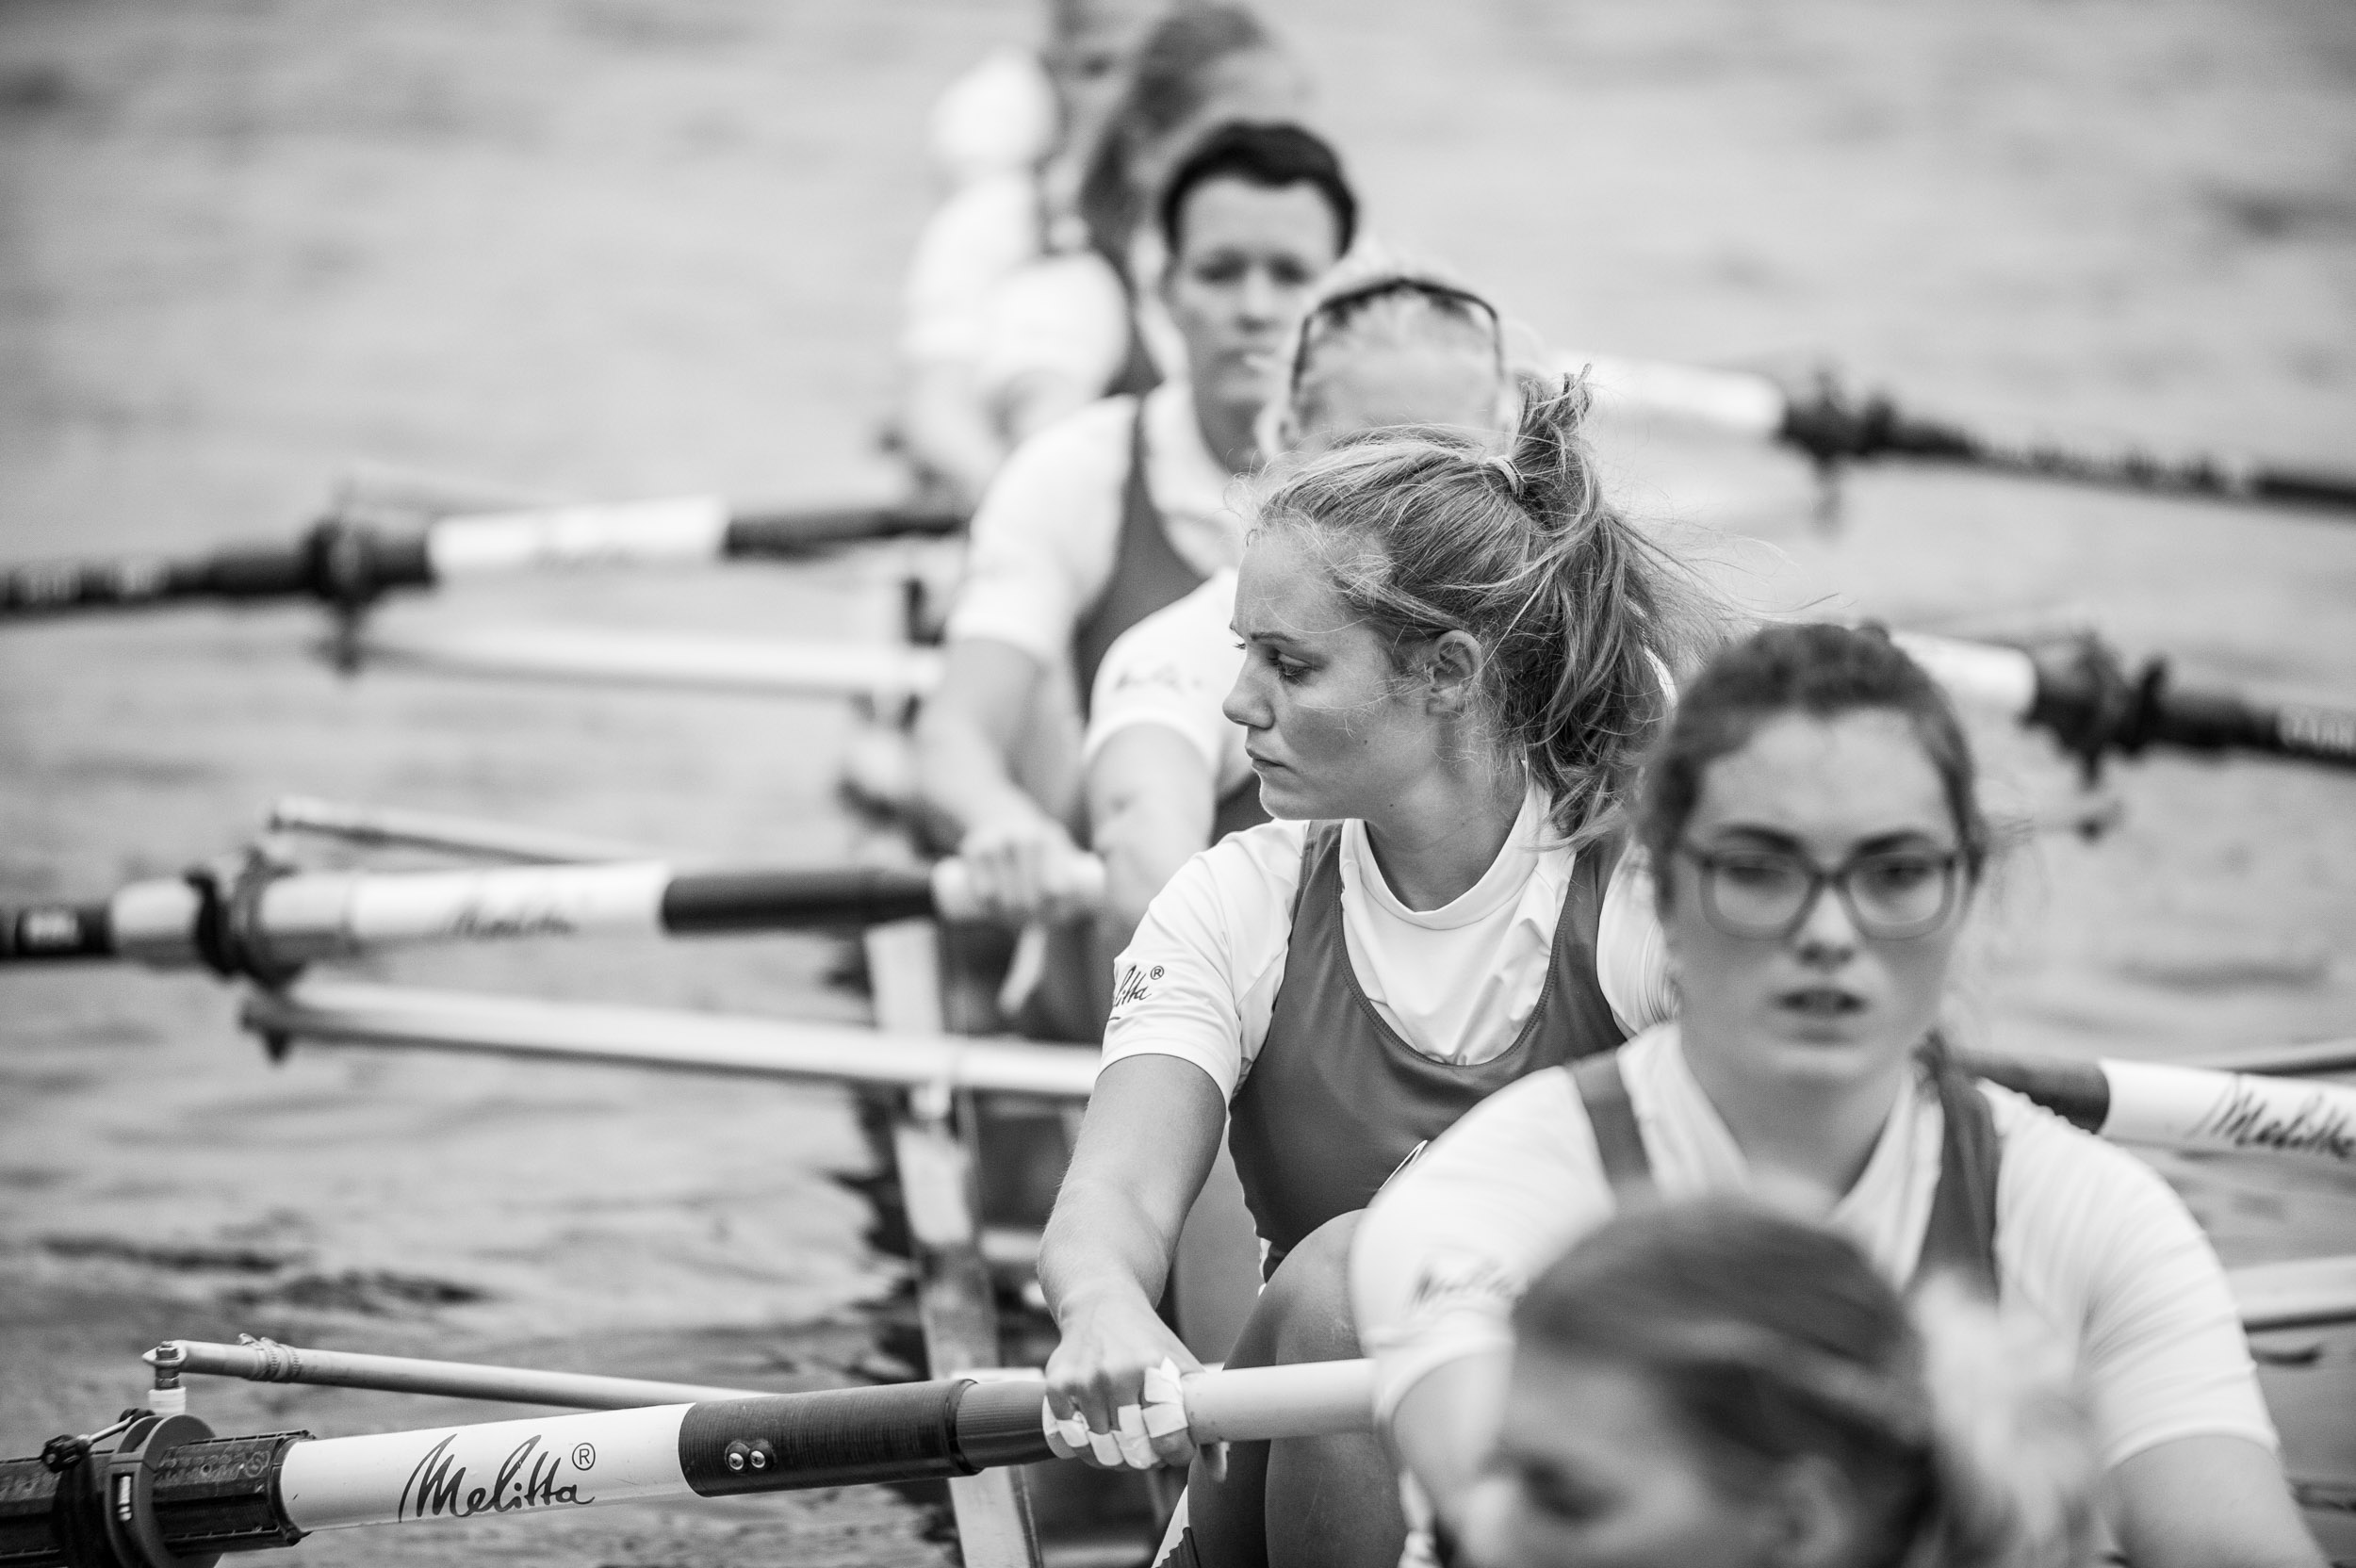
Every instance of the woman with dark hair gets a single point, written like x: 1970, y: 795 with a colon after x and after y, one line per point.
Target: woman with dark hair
x: 1455, y: 652
x: 1717, y: 1382
x: 1816, y: 839
x: 1115, y: 512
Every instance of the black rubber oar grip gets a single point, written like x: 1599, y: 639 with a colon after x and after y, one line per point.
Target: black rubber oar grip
x: 45, y: 931
x: 790, y: 534
x: 28, y: 1515
x: 2221, y: 721
x: 220, y: 1495
x: 747, y: 901
x: 2305, y: 487
x: 837, y: 1437
x: 2079, y: 1092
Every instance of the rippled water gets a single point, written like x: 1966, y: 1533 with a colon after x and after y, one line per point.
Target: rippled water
x: 605, y: 249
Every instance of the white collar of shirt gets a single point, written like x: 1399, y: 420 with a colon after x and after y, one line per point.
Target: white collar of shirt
x: 1693, y: 1151
x: 1506, y: 877
x: 1181, y: 473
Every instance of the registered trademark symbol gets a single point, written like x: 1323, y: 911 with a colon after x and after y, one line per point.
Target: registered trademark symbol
x: 583, y: 1456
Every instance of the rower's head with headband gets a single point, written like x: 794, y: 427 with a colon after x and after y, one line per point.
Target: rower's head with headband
x: 1440, y: 344
x: 1770, y: 1347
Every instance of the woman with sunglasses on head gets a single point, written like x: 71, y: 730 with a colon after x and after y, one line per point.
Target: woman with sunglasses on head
x: 1455, y: 651
x: 1714, y: 1381
x: 1383, y: 346
x: 1816, y: 839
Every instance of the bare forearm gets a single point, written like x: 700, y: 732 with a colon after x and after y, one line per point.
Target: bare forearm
x: 961, y: 773
x: 949, y: 431
x: 1100, y: 1244
x: 1445, y: 1423
x: 1144, y: 846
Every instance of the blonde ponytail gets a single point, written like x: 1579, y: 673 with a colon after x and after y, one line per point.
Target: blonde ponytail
x: 1578, y: 613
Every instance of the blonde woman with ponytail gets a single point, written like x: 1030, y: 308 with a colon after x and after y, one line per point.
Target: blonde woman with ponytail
x: 1455, y: 653
x: 1811, y: 818
x: 1715, y: 1383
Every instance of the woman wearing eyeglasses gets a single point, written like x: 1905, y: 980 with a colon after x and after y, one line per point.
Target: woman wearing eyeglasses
x: 1811, y: 818
x: 1455, y: 649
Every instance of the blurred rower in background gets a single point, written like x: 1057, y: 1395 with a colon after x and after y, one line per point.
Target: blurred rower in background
x: 1020, y: 298
x: 1715, y: 1383
x: 1011, y: 138
x: 1118, y: 510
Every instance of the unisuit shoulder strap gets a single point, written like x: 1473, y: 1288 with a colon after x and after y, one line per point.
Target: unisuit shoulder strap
x: 1603, y: 1090
x: 1960, y: 1240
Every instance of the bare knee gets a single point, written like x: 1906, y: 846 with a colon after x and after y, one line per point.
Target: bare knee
x: 1305, y: 1307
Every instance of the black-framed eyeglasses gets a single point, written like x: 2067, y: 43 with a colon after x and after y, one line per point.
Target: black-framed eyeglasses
x: 1766, y: 894
x: 1336, y: 308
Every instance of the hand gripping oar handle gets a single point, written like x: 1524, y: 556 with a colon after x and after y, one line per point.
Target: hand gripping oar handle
x: 266, y: 923
x: 190, y: 1492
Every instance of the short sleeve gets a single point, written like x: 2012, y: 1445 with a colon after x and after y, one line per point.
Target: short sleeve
x: 974, y: 241
x: 1631, y: 955
x: 1454, y: 1239
x: 1042, y: 540
x: 2094, y: 1240
x: 1174, y: 670
x: 1199, y: 980
x: 1065, y: 316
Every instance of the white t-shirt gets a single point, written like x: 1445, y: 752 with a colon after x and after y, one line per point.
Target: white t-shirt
x: 1171, y: 671
x: 2091, y: 1243
x: 989, y: 131
x: 1457, y: 982
x: 1044, y: 539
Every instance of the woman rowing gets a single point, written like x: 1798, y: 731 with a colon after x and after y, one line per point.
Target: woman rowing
x: 1021, y: 306
x: 1454, y: 654
x: 1165, y: 770
x: 1120, y: 509
x: 1715, y: 1382
x: 1816, y: 837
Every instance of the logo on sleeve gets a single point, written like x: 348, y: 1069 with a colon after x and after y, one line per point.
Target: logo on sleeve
x: 1135, y: 984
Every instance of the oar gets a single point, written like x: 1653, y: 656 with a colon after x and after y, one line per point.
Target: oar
x: 2189, y: 1109
x: 1831, y: 427
x: 265, y: 1361
x: 2077, y: 689
x: 167, y: 1488
x: 349, y: 565
x: 265, y: 922
x: 878, y: 673
x: 2183, y: 1108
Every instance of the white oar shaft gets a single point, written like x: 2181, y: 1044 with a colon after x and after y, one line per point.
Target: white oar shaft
x: 766, y: 667
x: 1733, y: 401
x: 2192, y: 1109
x: 551, y: 1461
x: 674, y: 528
x: 1985, y: 675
